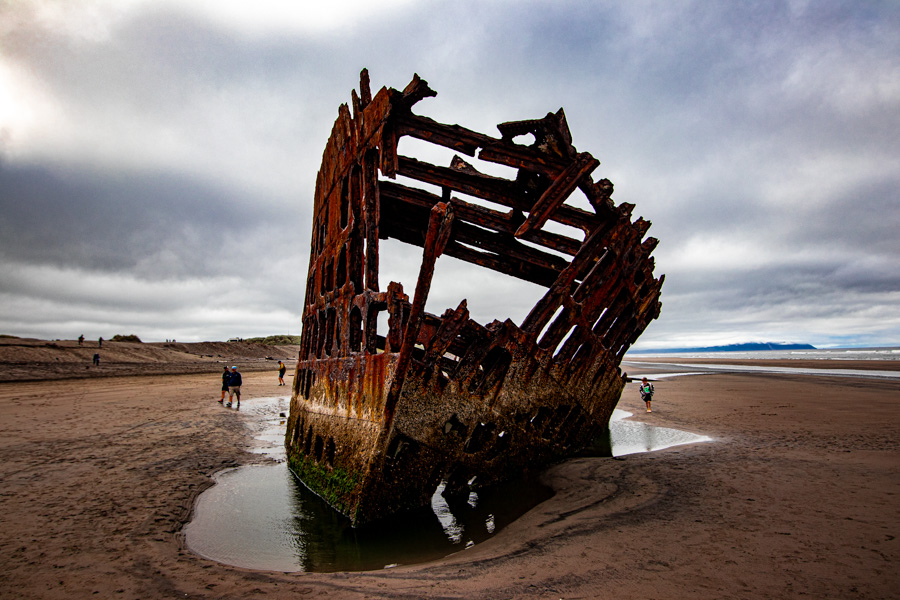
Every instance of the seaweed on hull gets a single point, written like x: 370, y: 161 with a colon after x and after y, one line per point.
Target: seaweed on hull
x: 379, y: 418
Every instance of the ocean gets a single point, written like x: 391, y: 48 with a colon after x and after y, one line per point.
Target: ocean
x: 889, y: 356
x: 881, y: 353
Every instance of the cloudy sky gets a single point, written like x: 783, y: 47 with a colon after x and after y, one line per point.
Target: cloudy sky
x: 158, y: 157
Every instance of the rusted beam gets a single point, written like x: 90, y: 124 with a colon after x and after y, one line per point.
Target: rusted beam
x: 501, y: 192
x: 519, y: 157
x: 480, y: 186
x: 439, y: 224
x: 454, y: 137
x: 480, y: 216
x: 415, y: 90
x: 558, y: 192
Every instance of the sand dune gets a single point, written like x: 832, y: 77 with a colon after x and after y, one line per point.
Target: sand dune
x: 38, y: 360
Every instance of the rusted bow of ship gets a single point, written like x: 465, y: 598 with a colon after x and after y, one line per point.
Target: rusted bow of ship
x: 379, y: 418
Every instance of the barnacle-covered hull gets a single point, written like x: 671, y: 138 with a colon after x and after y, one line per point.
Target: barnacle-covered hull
x: 379, y: 419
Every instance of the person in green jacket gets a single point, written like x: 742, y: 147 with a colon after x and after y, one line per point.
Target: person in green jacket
x: 646, y: 392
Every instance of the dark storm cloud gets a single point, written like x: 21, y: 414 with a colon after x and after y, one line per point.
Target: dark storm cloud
x: 112, y: 221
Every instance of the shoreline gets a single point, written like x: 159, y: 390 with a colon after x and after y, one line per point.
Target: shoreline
x: 795, y: 494
x: 798, y: 363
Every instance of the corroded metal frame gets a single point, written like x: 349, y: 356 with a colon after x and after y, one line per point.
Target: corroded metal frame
x: 379, y: 419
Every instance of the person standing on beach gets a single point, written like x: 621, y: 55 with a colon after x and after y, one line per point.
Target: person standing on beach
x: 281, y: 371
x: 226, y: 377
x: 81, y: 340
x: 234, y: 387
x: 100, y: 342
x: 646, y: 392
x: 96, y: 359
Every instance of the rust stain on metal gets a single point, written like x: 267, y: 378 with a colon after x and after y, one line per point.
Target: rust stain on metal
x: 379, y: 418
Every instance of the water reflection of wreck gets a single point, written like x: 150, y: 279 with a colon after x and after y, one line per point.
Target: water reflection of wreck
x: 378, y: 421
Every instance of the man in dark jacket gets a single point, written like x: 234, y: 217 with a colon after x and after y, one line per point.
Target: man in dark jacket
x: 234, y: 387
x: 226, y: 377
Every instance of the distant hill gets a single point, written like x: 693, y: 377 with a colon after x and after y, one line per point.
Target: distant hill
x: 749, y: 347
x: 276, y: 340
x: 26, y: 359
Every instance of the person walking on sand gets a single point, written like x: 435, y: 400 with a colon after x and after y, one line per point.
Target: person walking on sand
x: 100, y: 342
x: 226, y: 377
x: 96, y: 359
x: 234, y: 387
x: 81, y: 340
x: 646, y: 392
x: 281, y: 371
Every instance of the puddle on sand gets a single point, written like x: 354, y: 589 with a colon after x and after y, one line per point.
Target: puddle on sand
x: 262, y: 517
x: 627, y: 437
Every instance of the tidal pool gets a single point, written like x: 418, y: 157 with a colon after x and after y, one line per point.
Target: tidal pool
x: 262, y: 517
x: 627, y: 437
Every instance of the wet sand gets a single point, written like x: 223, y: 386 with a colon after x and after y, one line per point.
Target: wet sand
x: 798, y: 495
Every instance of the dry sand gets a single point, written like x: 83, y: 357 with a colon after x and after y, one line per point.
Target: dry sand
x: 798, y: 495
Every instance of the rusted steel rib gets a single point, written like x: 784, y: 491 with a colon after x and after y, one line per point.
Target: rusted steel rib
x: 435, y: 242
x: 379, y: 418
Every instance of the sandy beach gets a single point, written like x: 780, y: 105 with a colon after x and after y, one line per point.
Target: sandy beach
x: 797, y: 495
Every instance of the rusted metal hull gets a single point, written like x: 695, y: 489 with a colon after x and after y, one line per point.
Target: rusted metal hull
x: 379, y: 419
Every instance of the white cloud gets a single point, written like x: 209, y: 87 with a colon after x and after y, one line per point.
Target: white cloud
x: 28, y: 112
x: 289, y: 16
x: 90, y: 21
x: 851, y: 76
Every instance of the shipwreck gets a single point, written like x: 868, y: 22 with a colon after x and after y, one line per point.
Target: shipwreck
x: 379, y: 419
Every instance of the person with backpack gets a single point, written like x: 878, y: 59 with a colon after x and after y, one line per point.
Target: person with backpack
x: 646, y: 392
x: 234, y: 387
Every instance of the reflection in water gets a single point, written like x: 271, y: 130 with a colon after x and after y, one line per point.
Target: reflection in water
x: 262, y: 517
x: 626, y: 437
